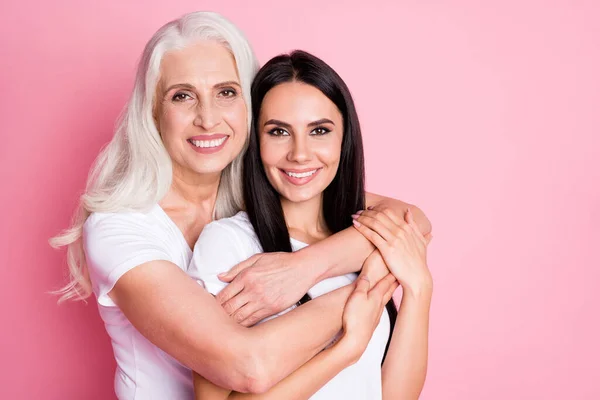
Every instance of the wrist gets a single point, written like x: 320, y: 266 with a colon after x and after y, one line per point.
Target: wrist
x: 421, y: 290
x: 350, y: 348
x: 310, y: 267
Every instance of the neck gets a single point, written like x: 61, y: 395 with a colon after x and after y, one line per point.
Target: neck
x: 192, y: 190
x: 305, y: 220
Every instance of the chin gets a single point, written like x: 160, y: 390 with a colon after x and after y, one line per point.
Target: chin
x: 211, y: 167
x: 296, y: 197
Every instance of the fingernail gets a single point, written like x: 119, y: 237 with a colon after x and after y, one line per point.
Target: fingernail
x: 360, y: 212
x: 356, y: 223
x: 370, y: 208
x: 354, y: 216
x: 366, y: 278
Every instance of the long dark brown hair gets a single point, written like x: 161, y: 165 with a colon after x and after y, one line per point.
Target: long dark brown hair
x: 346, y: 193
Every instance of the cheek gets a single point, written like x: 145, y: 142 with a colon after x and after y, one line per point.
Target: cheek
x: 270, y: 154
x: 173, y: 121
x: 236, y: 116
x: 330, y: 153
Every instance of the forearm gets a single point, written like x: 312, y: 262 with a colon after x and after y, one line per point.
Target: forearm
x: 339, y: 254
x: 405, y: 366
x: 347, y: 250
x: 308, y: 379
x: 321, y: 317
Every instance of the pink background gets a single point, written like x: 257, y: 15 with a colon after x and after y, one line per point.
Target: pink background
x: 485, y: 115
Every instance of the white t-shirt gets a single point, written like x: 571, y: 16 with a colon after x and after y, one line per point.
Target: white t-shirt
x: 226, y: 242
x: 114, y: 244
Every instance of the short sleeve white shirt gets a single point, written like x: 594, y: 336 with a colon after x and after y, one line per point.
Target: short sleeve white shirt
x: 114, y: 244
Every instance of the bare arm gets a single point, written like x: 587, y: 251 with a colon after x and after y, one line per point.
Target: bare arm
x: 361, y: 316
x: 403, y: 250
x: 269, y: 283
x: 405, y: 367
x: 181, y: 318
x: 300, y: 385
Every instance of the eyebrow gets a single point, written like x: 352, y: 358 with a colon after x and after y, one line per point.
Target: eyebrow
x: 192, y: 87
x: 288, y: 126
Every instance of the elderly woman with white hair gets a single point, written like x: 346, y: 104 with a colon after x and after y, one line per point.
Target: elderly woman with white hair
x: 174, y: 165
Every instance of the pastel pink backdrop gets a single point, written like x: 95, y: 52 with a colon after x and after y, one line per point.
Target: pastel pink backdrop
x: 485, y: 115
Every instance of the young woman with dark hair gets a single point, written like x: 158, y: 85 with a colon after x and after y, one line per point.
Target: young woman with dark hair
x: 303, y: 181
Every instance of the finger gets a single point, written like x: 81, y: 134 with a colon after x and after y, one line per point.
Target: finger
x: 382, y: 217
x: 390, y: 293
x: 362, y: 285
x: 254, y: 318
x: 398, y: 219
x: 376, y: 225
x: 428, y: 238
x: 233, y: 272
x: 414, y: 227
x: 243, y: 312
x: 370, y: 235
x: 383, y: 286
x: 234, y: 304
x: 230, y: 291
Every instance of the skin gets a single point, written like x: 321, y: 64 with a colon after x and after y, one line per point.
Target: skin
x: 172, y: 310
x: 301, y: 129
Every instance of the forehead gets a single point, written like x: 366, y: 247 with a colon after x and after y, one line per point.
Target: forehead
x: 298, y: 103
x: 202, y: 63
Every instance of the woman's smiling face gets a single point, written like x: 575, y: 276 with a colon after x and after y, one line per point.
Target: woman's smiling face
x: 300, y: 133
x: 200, y: 111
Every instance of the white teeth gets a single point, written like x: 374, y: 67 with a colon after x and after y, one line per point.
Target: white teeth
x: 208, y: 143
x: 302, y: 174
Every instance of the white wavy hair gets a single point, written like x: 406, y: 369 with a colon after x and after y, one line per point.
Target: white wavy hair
x: 134, y: 171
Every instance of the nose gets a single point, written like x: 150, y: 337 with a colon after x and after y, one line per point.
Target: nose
x: 207, y: 116
x: 300, y: 151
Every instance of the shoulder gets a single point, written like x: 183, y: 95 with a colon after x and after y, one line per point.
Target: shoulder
x: 399, y: 208
x: 110, y: 239
x: 221, y: 245
x: 115, y: 243
x: 238, y: 228
x: 119, y: 221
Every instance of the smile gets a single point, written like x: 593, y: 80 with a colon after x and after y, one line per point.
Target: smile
x: 300, y: 177
x: 301, y: 174
x: 208, y: 143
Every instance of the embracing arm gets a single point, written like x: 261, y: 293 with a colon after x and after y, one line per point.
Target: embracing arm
x: 181, y: 318
x: 300, y: 385
x: 346, y: 251
x: 279, y: 280
x: 361, y: 316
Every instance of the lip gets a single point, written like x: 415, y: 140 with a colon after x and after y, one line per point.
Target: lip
x: 299, y: 181
x: 208, y: 150
x: 214, y: 136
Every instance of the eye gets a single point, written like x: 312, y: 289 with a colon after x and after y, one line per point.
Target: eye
x: 320, y: 131
x: 278, y: 132
x: 229, y: 93
x: 181, y: 96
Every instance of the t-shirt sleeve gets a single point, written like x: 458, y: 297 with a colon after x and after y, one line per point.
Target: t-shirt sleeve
x: 219, y: 248
x: 116, y: 243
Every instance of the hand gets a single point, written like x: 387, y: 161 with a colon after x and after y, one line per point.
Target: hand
x: 263, y: 285
x: 363, y: 312
x: 402, y: 246
x: 374, y: 267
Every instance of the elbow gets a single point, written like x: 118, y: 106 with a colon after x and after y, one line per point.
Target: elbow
x: 253, y: 375
x: 259, y: 380
x: 421, y: 219
x: 259, y: 385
